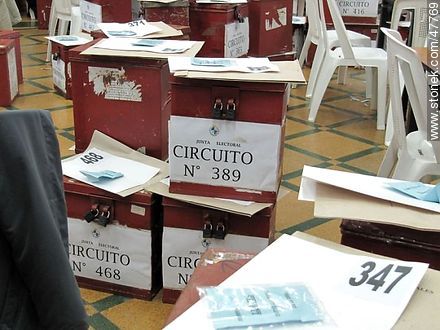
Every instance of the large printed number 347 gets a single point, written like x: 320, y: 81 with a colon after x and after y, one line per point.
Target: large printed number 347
x: 378, y: 279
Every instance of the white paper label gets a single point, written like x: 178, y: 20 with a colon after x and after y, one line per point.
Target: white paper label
x: 91, y: 14
x: 136, y: 209
x: 361, y: 8
x: 59, y: 73
x: 182, y: 249
x: 237, y: 38
x: 12, y: 68
x: 224, y: 153
x: 276, y: 18
x: 115, y: 254
x: 113, y: 84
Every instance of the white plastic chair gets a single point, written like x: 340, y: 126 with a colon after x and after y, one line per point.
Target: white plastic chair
x: 313, y: 36
x: 346, y: 55
x: 63, y: 12
x: 419, y: 23
x: 411, y: 156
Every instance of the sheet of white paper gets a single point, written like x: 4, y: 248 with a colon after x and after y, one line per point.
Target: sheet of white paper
x: 364, y: 184
x: 351, y: 288
x: 69, y: 40
x: 132, y: 29
x: 164, y: 46
x: 221, y: 1
x: 251, y: 65
x: 93, y: 160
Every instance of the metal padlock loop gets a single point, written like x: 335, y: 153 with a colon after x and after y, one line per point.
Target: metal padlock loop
x: 55, y: 56
x: 238, y: 16
x: 104, y: 218
x: 217, y: 109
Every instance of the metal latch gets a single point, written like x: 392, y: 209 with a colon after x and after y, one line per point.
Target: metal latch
x: 100, y: 213
x: 55, y: 56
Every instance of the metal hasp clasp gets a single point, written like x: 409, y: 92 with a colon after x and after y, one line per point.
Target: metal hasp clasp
x: 237, y: 15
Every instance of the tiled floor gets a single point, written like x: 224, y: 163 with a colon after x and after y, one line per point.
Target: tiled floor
x: 344, y: 137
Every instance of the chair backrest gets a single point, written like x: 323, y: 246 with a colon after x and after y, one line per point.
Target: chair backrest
x: 62, y: 6
x: 405, y: 59
x: 419, y: 19
x: 339, y: 25
x: 313, y: 19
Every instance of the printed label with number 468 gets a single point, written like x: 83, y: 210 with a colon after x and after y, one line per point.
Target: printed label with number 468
x: 91, y: 158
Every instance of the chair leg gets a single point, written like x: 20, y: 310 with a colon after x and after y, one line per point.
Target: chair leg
x: 373, y: 88
x: 389, y: 129
x: 325, y: 75
x: 305, y: 49
x: 381, y: 96
x: 389, y: 161
x: 342, y: 75
x: 316, y: 67
x: 369, y: 83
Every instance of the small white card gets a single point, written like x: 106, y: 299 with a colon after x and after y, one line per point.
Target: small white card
x: 69, y: 40
x: 132, y: 29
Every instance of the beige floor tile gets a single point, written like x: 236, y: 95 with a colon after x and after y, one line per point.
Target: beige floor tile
x: 325, y: 116
x: 33, y: 72
x: 294, y: 127
x: 328, y: 144
x: 91, y: 296
x: 40, y: 102
x: 370, y: 162
x: 62, y: 118
x: 365, y: 129
x: 29, y: 89
x: 142, y: 315
x: 329, y: 231
x: 290, y: 211
x: 294, y: 161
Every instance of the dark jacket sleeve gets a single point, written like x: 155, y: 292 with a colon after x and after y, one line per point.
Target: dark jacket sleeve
x: 33, y: 217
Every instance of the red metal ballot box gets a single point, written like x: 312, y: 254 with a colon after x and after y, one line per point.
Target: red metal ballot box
x: 223, y: 27
x: 8, y: 72
x: 176, y: 12
x: 234, y: 147
x: 15, y: 36
x: 270, y: 25
x: 393, y: 241
x: 43, y: 13
x: 61, y: 69
x: 114, y: 242
x: 125, y: 98
x: 104, y: 11
x: 190, y: 229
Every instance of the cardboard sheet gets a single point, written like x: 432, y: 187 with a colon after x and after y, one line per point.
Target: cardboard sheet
x: 333, y: 202
x: 364, y: 184
x: 141, y: 54
x: 214, y: 203
x: 290, y: 71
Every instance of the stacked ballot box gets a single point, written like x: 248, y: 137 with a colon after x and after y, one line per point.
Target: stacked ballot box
x: 392, y: 241
x: 223, y: 27
x: 235, y: 145
x: 173, y: 13
x: 104, y: 11
x: 114, y: 242
x: 15, y: 36
x: 126, y: 98
x: 8, y: 72
x: 270, y: 28
x: 190, y: 229
x: 61, y: 66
